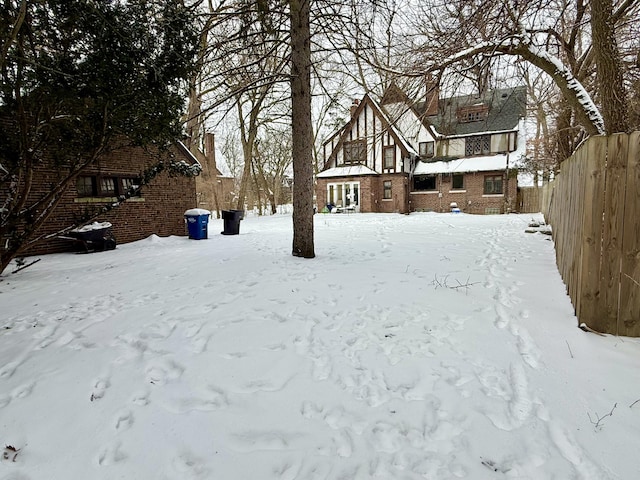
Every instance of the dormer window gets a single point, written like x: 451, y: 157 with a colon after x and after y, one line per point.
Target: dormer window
x: 473, y: 113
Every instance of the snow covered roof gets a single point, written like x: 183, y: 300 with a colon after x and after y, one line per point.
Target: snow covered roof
x: 468, y: 164
x: 505, y: 108
x: 477, y: 164
x: 351, y: 170
x: 185, y: 151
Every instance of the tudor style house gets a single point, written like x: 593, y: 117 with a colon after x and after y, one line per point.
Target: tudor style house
x: 403, y: 156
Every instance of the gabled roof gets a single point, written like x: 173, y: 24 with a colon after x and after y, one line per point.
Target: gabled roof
x: 506, y: 106
x: 406, y: 149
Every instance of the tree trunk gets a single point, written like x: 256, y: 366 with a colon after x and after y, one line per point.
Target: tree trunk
x: 608, y: 68
x: 302, y: 146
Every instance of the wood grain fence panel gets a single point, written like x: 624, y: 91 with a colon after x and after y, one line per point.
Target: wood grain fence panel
x: 578, y: 227
x: 588, y: 303
x: 568, y: 209
x: 564, y: 208
x: 629, y: 312
x: 617, y: 153
x: 530, y: 200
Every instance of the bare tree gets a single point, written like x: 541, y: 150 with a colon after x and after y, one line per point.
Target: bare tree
x: 549, y: 34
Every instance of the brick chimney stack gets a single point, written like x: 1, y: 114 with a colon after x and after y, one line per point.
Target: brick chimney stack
x: 354, y: 106
x: 432, y: 97
x: 210, y: 150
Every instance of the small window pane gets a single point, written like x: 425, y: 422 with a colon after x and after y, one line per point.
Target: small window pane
x: 458, y: 181
x: 389, y: 157
x: 107, y: 186
x: 85, y: 186
x: 355, y: 152
x: 480, y: 145
x: 387, y: 189
x: 131, y: 185
x: 424, y: 182
x: 426, y: 149
x: 493, y: 185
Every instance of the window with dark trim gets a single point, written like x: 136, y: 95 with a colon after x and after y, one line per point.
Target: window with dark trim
x: 477, y: 145
x: 425, y: 149
x: 108, y: 186
x: 130, y: 184
x: 389, y: 157
x: 86, y: 186
x: 473, y: 113
x: 424, y: 182
x: 493, y: 185
x: 355, y: 152
x: 386, y: 190
x: 457, y: 181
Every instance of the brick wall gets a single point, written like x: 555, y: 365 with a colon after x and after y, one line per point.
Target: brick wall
x: 399, y: 189
x: 371, y: 192
x: 470, y: 200
x: 159, y: 210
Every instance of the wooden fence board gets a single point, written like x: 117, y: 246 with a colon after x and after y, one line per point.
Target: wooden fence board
x: 578, y: 228
x: 617, y: 153
x: 629, y: 314
x: 591, y: 239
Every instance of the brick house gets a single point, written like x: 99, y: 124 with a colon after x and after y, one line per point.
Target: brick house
x: 402, y: 156
x: 158, y: 208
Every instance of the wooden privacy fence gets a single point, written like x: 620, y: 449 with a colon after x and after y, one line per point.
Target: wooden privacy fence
x: 593, y: 206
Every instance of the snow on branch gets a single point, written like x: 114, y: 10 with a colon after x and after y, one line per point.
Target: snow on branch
x: 520, y: 45
x: 588, y: 105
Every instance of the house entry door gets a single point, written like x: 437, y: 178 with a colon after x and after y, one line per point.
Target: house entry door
x: 344, y: 195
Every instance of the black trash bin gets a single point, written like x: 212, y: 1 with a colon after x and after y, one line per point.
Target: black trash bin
x: 232, y: 221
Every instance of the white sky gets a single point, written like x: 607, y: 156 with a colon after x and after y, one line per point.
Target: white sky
x: 413, y: 346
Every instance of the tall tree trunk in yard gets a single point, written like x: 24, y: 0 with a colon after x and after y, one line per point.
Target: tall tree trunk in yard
x: 301, y: 130
x: 608, y: 68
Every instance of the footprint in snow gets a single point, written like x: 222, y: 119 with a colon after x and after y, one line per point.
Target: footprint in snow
x: 111, y: 454
x: 123, y: 420
x: 99, y: 388
x: 188, y: 465
x: 9, y: 369
x: 141, y: 398
x: 22, y: 391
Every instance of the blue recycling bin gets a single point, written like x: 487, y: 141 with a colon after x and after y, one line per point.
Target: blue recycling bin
x: 197, y: 220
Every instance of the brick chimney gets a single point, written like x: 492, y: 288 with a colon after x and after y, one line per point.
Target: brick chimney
x: 432, y: 96
x: 210, y: 151
x: 354, y: 106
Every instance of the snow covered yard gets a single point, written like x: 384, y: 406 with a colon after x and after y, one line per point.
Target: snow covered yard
x: 230, y: 359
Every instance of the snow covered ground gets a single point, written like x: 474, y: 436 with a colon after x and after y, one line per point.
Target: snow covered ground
x: 433, y: 346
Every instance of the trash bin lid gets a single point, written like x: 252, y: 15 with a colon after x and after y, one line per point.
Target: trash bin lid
x: 196, y: 212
